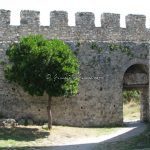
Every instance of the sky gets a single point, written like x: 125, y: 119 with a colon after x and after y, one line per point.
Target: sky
x: 98, y: 7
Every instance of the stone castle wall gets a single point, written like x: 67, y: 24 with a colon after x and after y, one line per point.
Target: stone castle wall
x: 104, y: 53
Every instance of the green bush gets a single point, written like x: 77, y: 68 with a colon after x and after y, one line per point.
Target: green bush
x: 40, y: 65
x: 131, y: 95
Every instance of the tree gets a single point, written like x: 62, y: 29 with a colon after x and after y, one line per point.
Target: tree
x: 40, y: 65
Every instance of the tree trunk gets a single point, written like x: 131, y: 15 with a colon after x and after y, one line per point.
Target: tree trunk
x: 49, y: 113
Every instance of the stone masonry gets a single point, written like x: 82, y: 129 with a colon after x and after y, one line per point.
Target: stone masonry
x: 111, y: 59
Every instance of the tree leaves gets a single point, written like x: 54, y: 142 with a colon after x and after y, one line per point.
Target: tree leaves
x: 40, y: 65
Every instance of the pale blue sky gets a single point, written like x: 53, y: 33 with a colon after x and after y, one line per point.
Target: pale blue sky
x: 122, y: 7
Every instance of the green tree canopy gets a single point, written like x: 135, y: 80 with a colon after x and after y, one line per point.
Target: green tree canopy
x: 40, y: 65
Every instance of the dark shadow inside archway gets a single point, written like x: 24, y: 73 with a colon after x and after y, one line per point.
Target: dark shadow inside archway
x: 135, y: 81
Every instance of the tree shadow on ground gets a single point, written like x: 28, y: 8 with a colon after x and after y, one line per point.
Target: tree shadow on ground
x: 120, y: 142
x: 22, y: 134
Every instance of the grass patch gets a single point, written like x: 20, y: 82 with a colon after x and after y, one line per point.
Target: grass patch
x: 21, y: 136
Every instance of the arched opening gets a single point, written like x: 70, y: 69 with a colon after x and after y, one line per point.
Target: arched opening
x: 135, y: 88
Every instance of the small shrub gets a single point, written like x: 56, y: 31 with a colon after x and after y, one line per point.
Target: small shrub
x: 132, y: 95
x: 21, y: 121
x: 94, y: 45
x: 2, y: 62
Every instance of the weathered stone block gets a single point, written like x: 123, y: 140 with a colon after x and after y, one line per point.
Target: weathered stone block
x: 109, y: 20
x: 8, y: 123
x: 85, y: 19
x: 4, y: 18
x: 136, y: 22
x: 58, y: 19
x: 29, y: 18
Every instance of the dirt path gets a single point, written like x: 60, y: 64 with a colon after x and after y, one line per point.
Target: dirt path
x: 131, y: 130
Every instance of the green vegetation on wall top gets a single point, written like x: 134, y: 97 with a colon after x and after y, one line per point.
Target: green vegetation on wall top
x: 124, y: 49
x: 112, y: 48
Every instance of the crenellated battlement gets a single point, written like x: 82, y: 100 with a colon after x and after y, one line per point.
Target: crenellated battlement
x: 109, y: 20
x: 85, y: 19
x: 29, y: 18
x: 136, y: 22
x: 84, y: 28
x: 4, y: 17
x: 58, y: 18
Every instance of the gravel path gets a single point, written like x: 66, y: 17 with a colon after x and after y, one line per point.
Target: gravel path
x: 131, y: 130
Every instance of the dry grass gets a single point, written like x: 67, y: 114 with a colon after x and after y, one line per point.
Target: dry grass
x: 76, y: 132
x: 36, y: 136
x: 131, y: 111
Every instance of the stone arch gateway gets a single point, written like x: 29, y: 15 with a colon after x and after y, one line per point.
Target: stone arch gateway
x: 136, y: 77
x: 105, y: 53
